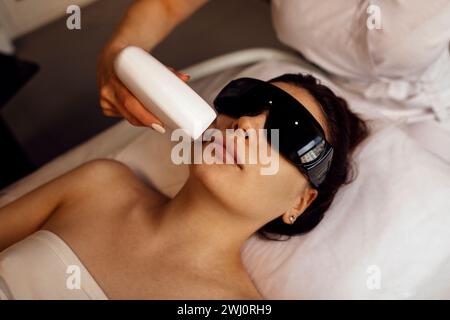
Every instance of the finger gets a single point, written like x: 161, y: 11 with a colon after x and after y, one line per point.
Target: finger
x: 135, y: 108
x: 130, y: 118
x: 107, y: 92
x: 107, y: 105
x: 113, y: 110
x: 118, y: 104
x: 111, y: 113
x: 183, y: 76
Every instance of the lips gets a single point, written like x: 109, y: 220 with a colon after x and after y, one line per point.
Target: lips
x: 222, y: 143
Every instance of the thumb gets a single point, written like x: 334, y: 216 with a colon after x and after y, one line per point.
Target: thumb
x: 183, y: 76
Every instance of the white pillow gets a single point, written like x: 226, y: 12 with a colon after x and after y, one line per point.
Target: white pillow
x: 386, y: 235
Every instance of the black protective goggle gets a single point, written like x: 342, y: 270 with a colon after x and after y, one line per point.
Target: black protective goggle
x: 301, y: 138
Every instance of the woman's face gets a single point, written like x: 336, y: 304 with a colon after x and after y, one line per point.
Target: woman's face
x: 243, y: 188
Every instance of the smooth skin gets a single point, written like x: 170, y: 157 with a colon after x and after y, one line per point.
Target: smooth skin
x: 139, y: 244
x: 145, y: 24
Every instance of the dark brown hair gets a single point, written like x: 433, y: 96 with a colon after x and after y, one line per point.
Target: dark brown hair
x: 346, y: 130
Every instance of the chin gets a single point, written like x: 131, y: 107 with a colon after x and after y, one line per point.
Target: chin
x: 221, y: 180
x: 216, y: 174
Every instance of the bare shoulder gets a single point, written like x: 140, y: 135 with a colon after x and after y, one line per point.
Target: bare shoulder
x: 106, y: 176
x: 101, y: 189
x: 103, y: 170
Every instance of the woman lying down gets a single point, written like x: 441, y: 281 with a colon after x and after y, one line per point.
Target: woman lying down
x: 98, y: 232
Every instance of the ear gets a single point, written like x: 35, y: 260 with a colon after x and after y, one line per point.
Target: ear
x: 304, y: 202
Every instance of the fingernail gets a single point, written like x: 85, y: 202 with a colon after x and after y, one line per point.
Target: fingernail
x: 158, y: 128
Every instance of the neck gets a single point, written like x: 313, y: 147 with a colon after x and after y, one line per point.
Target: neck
x: 198, y: 227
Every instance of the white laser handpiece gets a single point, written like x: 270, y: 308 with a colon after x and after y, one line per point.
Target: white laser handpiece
x: 163, y: 93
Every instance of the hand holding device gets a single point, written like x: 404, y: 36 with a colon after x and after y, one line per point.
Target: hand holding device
x: 163, y: 93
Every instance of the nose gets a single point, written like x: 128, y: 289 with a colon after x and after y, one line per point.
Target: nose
x: 250, y: 122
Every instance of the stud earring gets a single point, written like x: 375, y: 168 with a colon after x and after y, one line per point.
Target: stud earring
x: 292, y: 219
